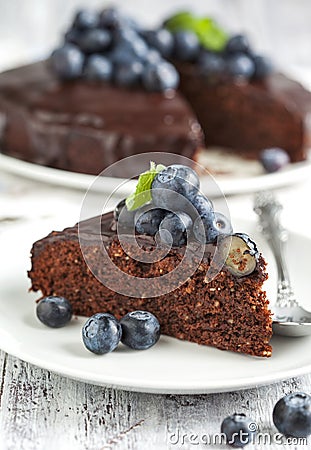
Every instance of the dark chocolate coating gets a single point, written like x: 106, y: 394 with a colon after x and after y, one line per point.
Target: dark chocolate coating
x: 85, y: 127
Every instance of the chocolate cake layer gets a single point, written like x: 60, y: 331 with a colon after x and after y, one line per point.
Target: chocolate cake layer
x: 85, y: 127
x: 247, y: 117
x: 229, y: 313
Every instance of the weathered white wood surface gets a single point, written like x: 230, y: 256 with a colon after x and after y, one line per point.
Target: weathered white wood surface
x: 44, y: 411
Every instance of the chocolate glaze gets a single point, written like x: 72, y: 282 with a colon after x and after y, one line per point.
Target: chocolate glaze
x: 85, y: 127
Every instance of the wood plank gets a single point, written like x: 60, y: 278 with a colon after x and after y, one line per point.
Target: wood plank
x: 42, y: 410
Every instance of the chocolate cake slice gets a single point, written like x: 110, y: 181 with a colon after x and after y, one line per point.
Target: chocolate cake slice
x: 246, y: 117
x: 87, y: 126
x: 229, y: 312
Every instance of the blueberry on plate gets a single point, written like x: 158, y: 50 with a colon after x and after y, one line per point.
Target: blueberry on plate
x: 148, y: 222
x: 240, y: 254
x: 211, y: 65
x: 98, y: 67
x: 67, y: 62
x: 128, y: 74
x: 175, y: 187
x: 240, y: 66
x: 292, y: 415
x: 237, y: 44
x: 101, y: 333
x: 54, y: 311
x: 140, y: 330
x: 186, y: 45
x: 238, y: 429
x: 95, y: 41
x: 86, y: 19
x: 174, y: 229
x: 263, y: 67
x: 209, y: 226
x: 161, y: 39
x: 160, y: 77
x: 274, y: 159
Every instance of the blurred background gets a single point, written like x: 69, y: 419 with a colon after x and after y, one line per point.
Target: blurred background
x: 30, y: 29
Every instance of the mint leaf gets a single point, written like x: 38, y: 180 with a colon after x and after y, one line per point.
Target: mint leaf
x: 209, y: 33
x: 142, y: 194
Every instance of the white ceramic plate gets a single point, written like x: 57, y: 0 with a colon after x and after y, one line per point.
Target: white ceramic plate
x: 241, y: 176
x: 171, y: 366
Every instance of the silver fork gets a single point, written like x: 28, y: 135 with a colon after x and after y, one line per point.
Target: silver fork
x: 290, y: 319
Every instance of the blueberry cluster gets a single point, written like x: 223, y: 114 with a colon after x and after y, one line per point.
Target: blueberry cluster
x: 102, y: 332
x: 237, y: 60
x: 291, y: 416
x: 178, y: 212
x: 107, y: 46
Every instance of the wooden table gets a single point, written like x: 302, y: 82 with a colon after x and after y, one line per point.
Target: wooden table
x: 44, y: 411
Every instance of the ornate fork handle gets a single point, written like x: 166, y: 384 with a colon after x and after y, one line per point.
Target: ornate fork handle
x: 268, y: 210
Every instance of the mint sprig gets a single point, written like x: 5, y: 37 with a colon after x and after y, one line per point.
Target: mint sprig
x: 209, y: 33
x: 142, y: 194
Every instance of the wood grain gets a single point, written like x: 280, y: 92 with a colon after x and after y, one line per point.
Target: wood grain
x: 44, y: 411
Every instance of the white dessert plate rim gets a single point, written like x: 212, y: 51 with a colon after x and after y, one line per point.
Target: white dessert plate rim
x: 228, y: 184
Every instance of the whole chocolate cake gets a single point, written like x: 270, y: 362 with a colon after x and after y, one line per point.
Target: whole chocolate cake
x: 115, y: 89
x: 99, y: 268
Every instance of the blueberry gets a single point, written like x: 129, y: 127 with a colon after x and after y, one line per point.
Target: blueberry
x: 140, y: 330
x: 237, y: 44
x: 202, y: 204
x: 133, y: 43
x: 98, y: 68
x: 101, y: 333
x: 292, y: 415
x: 95, y: 41
x: 111, y: 18
x: 128, y: 74
x: 149, y: 221
x: 162, y: 40
x: 174, y: 228
x: 73, y: 36
x: 240, y: 66
x: 211, y: 65
x: 209, y: 226
x: 54, y: 311
x: 160, y: 77
x: 239, y: 430
x: 263, y: 67
x: 124, y: 217
x: 174, y: 187
x: 86, y: 19
x: 252, y: 247
x: 153, y: 57
x: 186, y: 46
x: 274, y: 159
x: 67, y: 61
x: 240, y: 254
